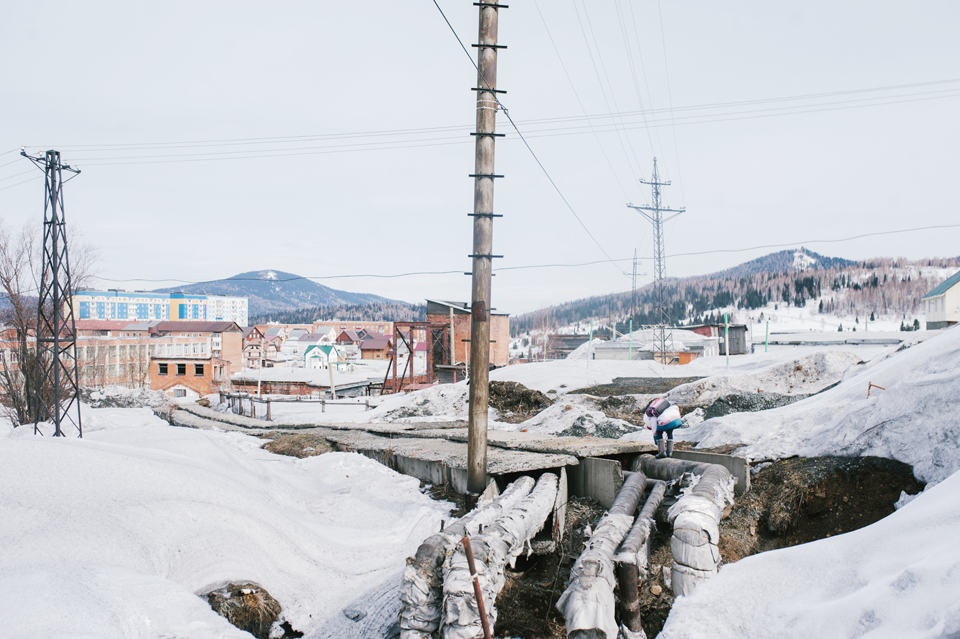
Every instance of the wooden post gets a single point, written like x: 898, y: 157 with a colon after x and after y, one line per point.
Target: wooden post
x: 269, y: 411
x: 482, y: 249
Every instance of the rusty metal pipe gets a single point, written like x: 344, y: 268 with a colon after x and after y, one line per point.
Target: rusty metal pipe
x: 476, y: 587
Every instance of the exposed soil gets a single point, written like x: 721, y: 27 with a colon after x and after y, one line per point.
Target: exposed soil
x: 296, y: 444
x: 515, y: 402
x: 526, y: 605
x: 637, y: 386
x: 790, y: 502
x: 804, y: 499
x: 248, y: 607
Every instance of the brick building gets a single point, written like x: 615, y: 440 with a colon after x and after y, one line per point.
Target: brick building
x: 440, y: 311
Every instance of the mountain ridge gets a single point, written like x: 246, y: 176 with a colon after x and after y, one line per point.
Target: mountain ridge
x: 273, y: 291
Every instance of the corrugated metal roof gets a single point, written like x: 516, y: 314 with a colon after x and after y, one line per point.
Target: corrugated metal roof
x: 945, y: 286
x: 199, y: 327
x: 102, y: 325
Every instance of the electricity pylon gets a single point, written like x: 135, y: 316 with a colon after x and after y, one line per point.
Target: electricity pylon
x: 655, y: 215
x: 56, y: 385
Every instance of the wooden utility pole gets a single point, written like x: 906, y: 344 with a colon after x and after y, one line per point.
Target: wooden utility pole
x: 482, y: 245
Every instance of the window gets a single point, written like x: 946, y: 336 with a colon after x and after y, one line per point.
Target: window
x: 179, y: 392
x: 169, y: 349
x: 113, y: 351
x: 123, y: 351
x: 179, y: 349
x: 198, y: 370
x: 181, y: 369
x: 112, y: 370
x: 203, y: 348
x: 161, y: 369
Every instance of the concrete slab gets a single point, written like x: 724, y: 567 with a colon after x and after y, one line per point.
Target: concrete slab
x: 441, y: 461
x: 537, y: 442
x: 737, y: 466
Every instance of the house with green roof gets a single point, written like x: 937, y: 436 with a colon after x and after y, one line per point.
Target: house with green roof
x: 320, y: 356
x: 941, y: 306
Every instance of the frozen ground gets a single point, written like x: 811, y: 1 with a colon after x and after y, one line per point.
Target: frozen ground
x: 899, y: 577
x: 115, y: 534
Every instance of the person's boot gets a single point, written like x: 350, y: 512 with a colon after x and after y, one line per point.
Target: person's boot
x: 669, y: 448
x: 662, y: 448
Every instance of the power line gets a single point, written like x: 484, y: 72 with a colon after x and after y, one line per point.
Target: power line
x: 666, y: 69
x: 539, y: 266
x: 579, y: 101
x: 821, y: 241
x: 537, y: 133
x: 506, y: 112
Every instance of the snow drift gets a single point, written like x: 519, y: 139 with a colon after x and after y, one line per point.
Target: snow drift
x: 115, y: 534
x: 899, y: 577
x: 916, y: 420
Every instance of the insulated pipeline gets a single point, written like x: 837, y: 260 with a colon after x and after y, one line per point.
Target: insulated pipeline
x: 422, y: 588
x: 695, y: 517
x: 632, y: 560
x: 588, y: 603
x: 498, y: 544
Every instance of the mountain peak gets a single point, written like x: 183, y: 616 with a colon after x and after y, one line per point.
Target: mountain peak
x: 272, y: 290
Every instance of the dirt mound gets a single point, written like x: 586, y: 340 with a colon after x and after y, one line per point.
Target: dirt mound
x: 515, y: 402
x: 637, y: 386
x: 247, y: 606
x: 748, y: 403
x: 790, y: 502
x: 799, y: 500
x: 295, y: 445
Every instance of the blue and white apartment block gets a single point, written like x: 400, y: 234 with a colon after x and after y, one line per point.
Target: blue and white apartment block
x: 142, y: 306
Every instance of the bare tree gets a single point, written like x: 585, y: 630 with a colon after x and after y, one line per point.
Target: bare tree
x: 20, y: 271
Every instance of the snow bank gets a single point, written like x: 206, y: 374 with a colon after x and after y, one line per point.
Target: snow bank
x: 572, y: 419
x: 899, y: 577
x: 113, y: 535
x: 915, y: 420
x: 801, y: 376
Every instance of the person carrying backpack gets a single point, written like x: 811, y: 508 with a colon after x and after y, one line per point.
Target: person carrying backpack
x: 662, y: 417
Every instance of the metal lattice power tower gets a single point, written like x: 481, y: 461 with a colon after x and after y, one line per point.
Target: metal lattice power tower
x: 655, y: 215
x: 57, y: 386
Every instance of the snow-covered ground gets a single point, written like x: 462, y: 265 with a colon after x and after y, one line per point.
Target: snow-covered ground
x: 899, y: 577
x: 915, y: 418
x: 115, y: 534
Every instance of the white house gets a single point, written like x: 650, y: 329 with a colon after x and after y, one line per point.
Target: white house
x: 320, y: 356
x: 941, y: 306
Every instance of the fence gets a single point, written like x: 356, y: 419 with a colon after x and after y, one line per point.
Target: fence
x: 247, y: 405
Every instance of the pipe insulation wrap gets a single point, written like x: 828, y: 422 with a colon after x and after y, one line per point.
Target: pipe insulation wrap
x: 499, y: 543
x: 588, y: 604
x: 632, y: 559
x: 421, y: 590
x: 695, y: 517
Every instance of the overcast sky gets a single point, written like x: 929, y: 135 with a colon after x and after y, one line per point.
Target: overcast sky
x: 332, y: 138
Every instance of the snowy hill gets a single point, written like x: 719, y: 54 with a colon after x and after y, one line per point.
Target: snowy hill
x: 270, y: 291
x: 789, y: 261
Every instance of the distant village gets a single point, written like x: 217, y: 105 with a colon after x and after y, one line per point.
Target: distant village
x: 191, y: 345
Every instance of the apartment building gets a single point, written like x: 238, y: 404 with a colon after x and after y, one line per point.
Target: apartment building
x: 130, y: 354
x: 143, y: 306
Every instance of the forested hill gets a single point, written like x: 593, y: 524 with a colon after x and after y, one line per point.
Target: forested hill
x: 881, y: 285
x: 389, y: 311
x: 275, y: 292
